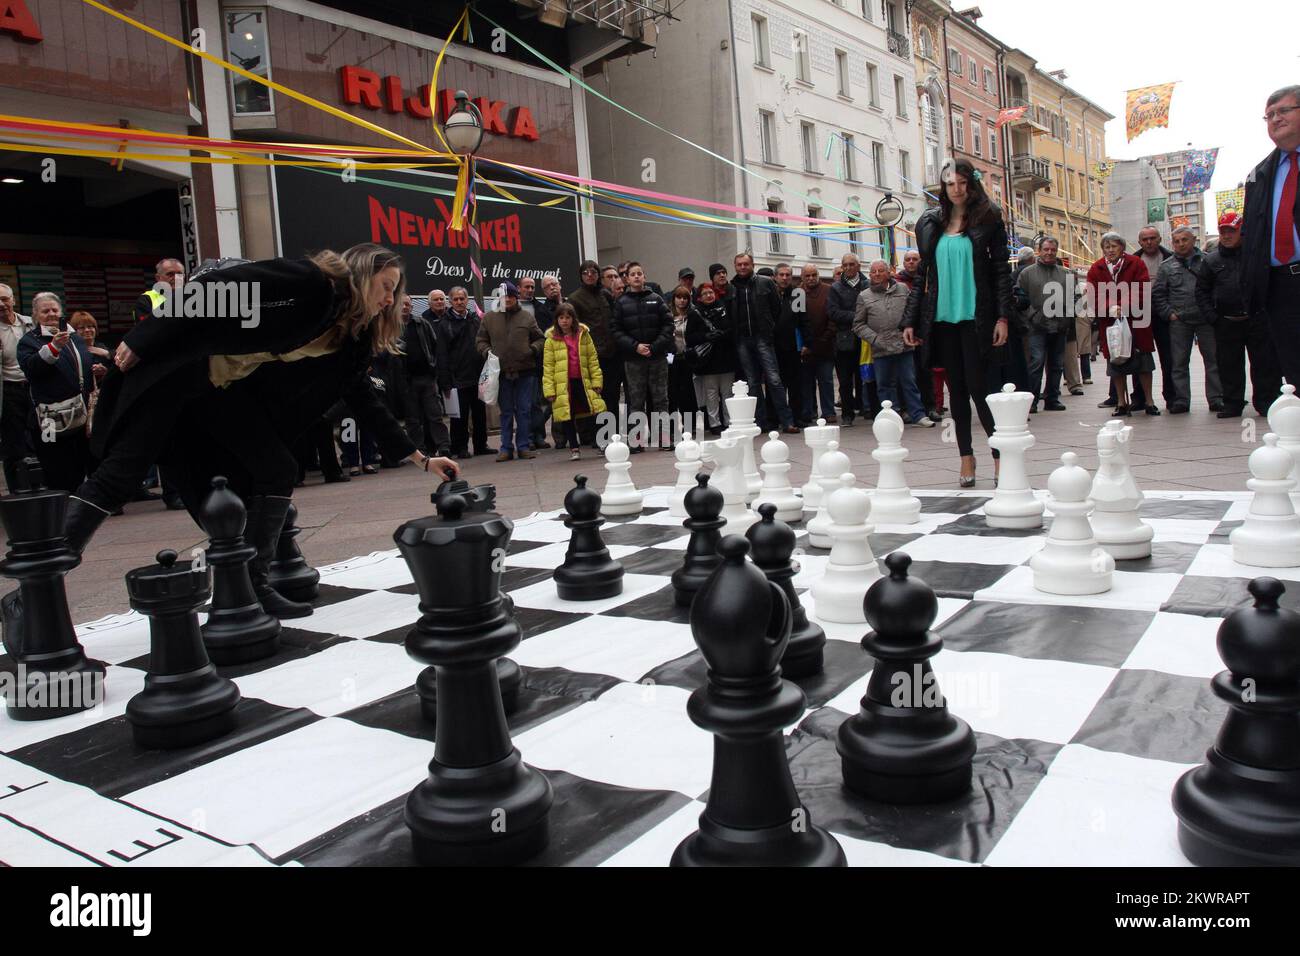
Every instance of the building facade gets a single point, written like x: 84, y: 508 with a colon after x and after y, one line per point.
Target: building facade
x: 974, y: 81
x: 930, y: 61
x: 1136, y: 191
x: 1171, y: 167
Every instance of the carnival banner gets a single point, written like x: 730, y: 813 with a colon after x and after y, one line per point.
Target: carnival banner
x: 1225, y: 199
x: 1103, y: 169
x: 1156, y: 210
x: 1010, y: 113
x: 1199, y: 170
x: 1147, y: 108
x: 1180, y: 221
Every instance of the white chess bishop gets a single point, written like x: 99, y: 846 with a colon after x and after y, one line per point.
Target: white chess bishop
x: 1071, y: 561
x: 620, y: 496
x: 740, y: 409
x: 892, y: 501
x: 776, y: 480
x: 833, y: 462
x: 1117, y: 498
x: 817, y: 438
x: 688, y: 466
x: 1284, y: 422
x: 1013, y: 504
x: 851, y: 568
x: 1270, y: 535
x: 729, y: 478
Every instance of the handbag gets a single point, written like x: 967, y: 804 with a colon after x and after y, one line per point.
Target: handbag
x: 70, y: 413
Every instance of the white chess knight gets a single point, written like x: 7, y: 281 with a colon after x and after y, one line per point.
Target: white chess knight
x: 817, y: 438
x: 688, y: 466
x: 1270, y: 535
x: 851, y: 568
x: 620, y: 496
x: 892, y: 501
x: 729, y: 478
x: 1284, y: 422
x: 1071, y: 561
x: 1117, y: 498
x: 833, y: 462
x: 740, y: 409
x: 1013, y: 504
x: 776, y: 480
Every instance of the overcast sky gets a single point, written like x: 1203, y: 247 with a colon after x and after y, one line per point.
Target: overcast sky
x: 1228, y: 57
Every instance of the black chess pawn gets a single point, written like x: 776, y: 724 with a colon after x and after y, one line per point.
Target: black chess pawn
x: 481, y: 804
x: 588, y: 572
x: 184, y: 701
x: 772, y: 542
x: 741, y: 622
x: 704, y: 506
x: 1242, y: 806
x: 290, y: 574
x: 237, y: 629
x: 52, y: 676
x: 904, y: 746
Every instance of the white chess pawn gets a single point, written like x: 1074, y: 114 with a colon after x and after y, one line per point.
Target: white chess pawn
x: 776, y: 480
x: 1284, y: 422
x: 1270, y: 535
x: 1116, y: 498
x: 851, y: 568
x: 1071, y: 561
x: 688, y: 466
x: 729, y: 478
x: 740, y: 409
x: 1013, y: 504
x: 892, y: 501
x: 833, y: 462
x: 817, y: 438
x: 620, y: 496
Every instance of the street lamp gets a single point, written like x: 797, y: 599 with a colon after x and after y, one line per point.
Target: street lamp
x: 463, y: 131
x: 889, y: 213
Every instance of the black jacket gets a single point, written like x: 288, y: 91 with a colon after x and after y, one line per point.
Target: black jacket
x: 420, y: 343
x: 1257, y: 232
x: 787, y: 325
x: 755, y: 306
x: 459, y: 363
x: 992, y: 280
x: 1218, y: 284
x: 595, y: 310
x: 710, y: 323
x: 55, y: 381
x: 842, y: 309
x: 642, y: 318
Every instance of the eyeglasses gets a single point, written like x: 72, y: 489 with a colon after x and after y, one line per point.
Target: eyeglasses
x: 590, y: 272
x: 1280, y: 111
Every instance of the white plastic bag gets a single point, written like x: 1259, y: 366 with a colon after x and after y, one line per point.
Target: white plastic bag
x: 489, y: 379
x: 1119, y: 341
x: 451, y: 403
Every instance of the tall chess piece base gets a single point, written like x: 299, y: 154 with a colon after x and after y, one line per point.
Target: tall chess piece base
x: 237, y: 629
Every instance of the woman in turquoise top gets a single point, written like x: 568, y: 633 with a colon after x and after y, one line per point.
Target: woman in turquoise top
x: 961, y: 298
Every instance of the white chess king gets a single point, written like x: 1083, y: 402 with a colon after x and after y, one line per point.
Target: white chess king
x: 1013, y: 504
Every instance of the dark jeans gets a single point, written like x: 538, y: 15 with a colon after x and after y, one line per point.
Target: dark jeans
x: 515, y: 399
x: 611, y: 371
x: 791, y: 371
x: 758, y: 359
x: 846, y: 370
x: 896, y: 382
x: 955, y: 348
x: 1236, y: 339
x: 1165, y: 350
x: 64, y: 460
x: 819, y: 382
x: 425, y: 422
x: 1049, y: 347
x: 472, y: 411
x: 359, y: 448
x: 15, y: 435
x: 1282, y: 306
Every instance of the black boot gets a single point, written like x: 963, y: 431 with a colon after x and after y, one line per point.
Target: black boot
x: 265, y: 521
x: 81, y: 522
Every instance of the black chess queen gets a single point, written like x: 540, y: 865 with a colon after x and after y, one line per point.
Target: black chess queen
x: 231, y: 390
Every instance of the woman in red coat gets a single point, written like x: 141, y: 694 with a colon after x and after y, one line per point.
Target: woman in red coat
x: 1119, y: 287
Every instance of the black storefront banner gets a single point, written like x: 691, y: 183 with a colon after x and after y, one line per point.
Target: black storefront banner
x: 318, y: 210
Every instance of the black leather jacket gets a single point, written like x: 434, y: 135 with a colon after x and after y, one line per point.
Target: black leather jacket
x: 1218, y: 285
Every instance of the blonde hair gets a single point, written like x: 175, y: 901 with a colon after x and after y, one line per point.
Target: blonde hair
x: 351, y: 273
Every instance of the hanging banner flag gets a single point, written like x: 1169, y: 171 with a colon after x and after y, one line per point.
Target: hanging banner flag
x: 1180, y: 221
x: 1147, y: 108
x: 1156, y: 210
x: 1103, y: 169
x: 1009, y: 114
x: 1229, y: 199
x: 1199, y: 169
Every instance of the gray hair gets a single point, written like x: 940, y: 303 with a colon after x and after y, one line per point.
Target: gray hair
x: 844, y: 260
x: 1114, y: 237
x: 38, y: 297
x: 875, y: 262
x: 7, y: 288
x: 1292, y: 91
x: 1025, y: 254
x: 1187, y: 229
x: 456, y: 288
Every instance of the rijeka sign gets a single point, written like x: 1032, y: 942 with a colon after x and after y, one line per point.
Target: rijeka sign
x: 362, y: 87
x: 17, y: 20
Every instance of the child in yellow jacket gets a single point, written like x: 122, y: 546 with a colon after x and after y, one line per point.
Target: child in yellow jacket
x: 571, y: 378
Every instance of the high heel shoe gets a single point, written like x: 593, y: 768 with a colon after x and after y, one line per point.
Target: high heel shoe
x: 966, y: 481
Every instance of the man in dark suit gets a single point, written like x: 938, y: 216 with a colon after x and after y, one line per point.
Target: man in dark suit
x: 1270, y: 264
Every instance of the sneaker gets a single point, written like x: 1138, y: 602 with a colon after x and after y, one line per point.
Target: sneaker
x: 1076, y: 390
x: 575, y: 455
x: 936, y: 417
x: 1087, y: 381
x: 506, y: 456
x: 525, y: 454
x: 923, y: 422
x: 1108, y: 403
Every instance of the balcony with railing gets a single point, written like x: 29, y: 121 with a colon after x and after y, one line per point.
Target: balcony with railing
x: 899, y: 44
x: 1030, y: 172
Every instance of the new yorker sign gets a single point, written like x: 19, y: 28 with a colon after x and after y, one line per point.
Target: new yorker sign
x: 362, y: 87
x: 17, y: 21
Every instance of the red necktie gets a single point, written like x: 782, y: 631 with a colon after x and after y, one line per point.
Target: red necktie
x: 1284, y: 228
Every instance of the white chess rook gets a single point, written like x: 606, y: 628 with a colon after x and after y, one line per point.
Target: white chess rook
x: 892, y: 502
x: 776, y: 480
x: 743, y: 430
x: 1117, y: 498
x: 688, y: 466
x: 817, y: 438
x: 1013, y: 504
x: 620, y: 496
x: 1071, y: 561
x: 852, y: 568
x: 729, y: 478
x: 833, y: 462
x: 1270, y: 535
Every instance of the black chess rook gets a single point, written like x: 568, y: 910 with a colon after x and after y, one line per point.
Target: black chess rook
x: 741, y: 622
x: 238, y: 630
x: 904, y: 746
x: 290, y: 574
x: 588, y: 572
x: 1242, y: 806
x: 773, y: 542
x: 185, y: 702
x: 481, y: 804
x: 52, y: 677
x: 703, y: 504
